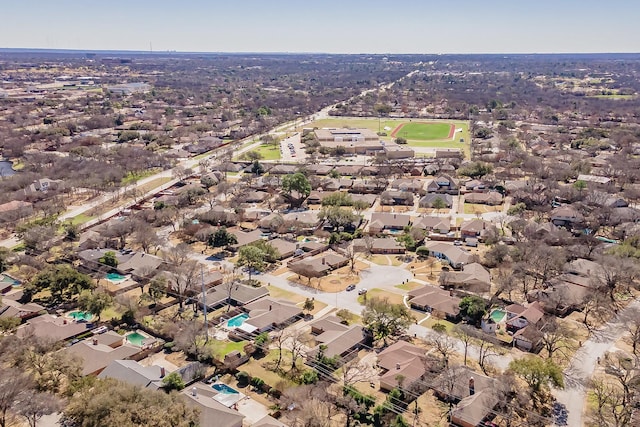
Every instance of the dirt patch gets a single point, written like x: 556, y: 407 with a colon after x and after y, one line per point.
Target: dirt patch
x: 177, y: 358
x: 330, y: 283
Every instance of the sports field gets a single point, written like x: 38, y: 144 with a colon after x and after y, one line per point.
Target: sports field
x: 424, y: 136
x: 424, y: 131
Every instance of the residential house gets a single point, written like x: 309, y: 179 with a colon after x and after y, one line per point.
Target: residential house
x: 238, y: 294
x: 473, y: 277
x: 254, y: 196
x: 11, y: 308
x: 442, y: 184
x: 284, y: 169
x: 267, y: 314
x: 528, y: 338
x: 245, y: 238
x: 138, y: 264
x: 317, y: 267
x: 402, y: 360
x: 566, y: 216
x: 132, y: 372
x: 453, y: 255
x: 396, y: 198
x: 475, y: 395
x: 519, y: 316
x: 43, y: 185
x: 428, y: 200
x: 491, y: 198
x: 319, y: 169
x: 337, y: 339
x: 569, y: 290
x: 475, y: 185
x: 473, y: 228
x: 53, y: 327
x: 388, y: 221
x: 435, y: 300
x: 97, y: 352
x: 212, y: 412
x: 378, y: 245
x: 285, y: 248
x: 433, y: 224
x: 308, y: 219
x: 412, y: 185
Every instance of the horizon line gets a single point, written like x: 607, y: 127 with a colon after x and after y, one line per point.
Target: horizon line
x: 183, y: 52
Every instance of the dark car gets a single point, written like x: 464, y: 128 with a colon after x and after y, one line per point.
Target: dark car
x: 351, y: 287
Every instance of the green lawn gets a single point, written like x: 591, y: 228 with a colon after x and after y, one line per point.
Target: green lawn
x: 424, y: 131
x: 135, y: 177
x: 269, y: 152
x: 392, y: 297
x: 81, y: 219
x: 409, y: 286
x: 222, y: 348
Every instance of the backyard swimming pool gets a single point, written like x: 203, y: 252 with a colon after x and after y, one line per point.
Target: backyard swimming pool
x: 115, y: 277
x: 223, y: 388
x: 237, y: 321
x: 80, y: 315
x: 136, y: 338
x: 498, y: 315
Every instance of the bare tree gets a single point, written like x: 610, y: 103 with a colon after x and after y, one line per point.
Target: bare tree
x: 14, y: 385
x: 35, y: 405
x: 444, y: 345
x: 610, y: 408
x: 145, y: 236
x: 465, y: 334
x: 485, y: 351
x: 554, y: 337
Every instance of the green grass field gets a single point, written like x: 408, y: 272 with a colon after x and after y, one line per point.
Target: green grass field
x: 424, y: 131
x: 432, y: 136
x: 269, y: 152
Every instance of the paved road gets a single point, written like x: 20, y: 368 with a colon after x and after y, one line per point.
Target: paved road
x: 376, y: 276
x: 583, y: 364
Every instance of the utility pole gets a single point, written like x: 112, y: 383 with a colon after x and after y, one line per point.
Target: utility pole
x: 204, y: 306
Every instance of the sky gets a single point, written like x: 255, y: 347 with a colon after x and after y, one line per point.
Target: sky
x: 329, y: 26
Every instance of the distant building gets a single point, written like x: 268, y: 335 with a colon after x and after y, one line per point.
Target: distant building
x: 129, y: 88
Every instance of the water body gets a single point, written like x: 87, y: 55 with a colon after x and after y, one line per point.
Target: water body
x: 6, y: 168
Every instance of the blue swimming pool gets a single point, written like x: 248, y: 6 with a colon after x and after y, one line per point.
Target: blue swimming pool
x: 115, y: 277
x: 223, y: 388
x: 238, y: 320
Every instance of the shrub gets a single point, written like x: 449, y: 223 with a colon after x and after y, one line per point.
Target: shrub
x: 243, y: 378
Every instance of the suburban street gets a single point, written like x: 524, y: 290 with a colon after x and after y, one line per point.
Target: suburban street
x: 584, y: 362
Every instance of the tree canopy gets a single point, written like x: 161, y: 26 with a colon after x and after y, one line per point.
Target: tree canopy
x: 61, y: 280
x: 337, y: 216
x: 473, y: 307
x: 135, y: 406
x: 539, y: 374
x: 384, y: 319
x: 297, y: 183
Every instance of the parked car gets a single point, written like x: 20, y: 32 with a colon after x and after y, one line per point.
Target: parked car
x: 351, y: 287
x: 362, y: 291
